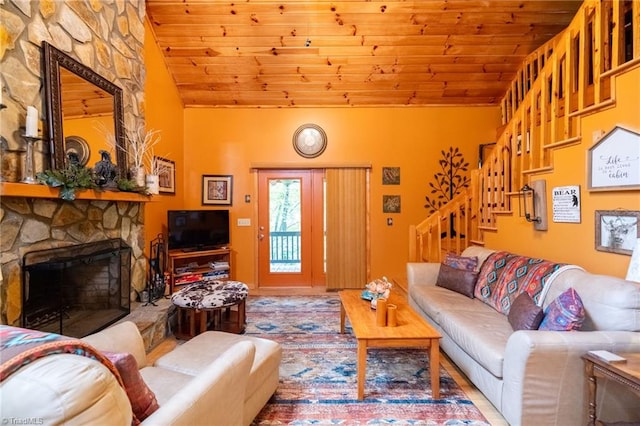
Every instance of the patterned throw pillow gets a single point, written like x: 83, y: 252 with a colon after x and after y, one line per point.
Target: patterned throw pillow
x: 524, y: 313
x: 458, y: 280
x: 143, y: 400
x: 565, y: 313
x: 461, y: 262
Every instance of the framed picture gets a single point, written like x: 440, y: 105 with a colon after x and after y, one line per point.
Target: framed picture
x: 614, y: 162
x: 617, y: 230
x: 391, y: 175
x: 217, y: 190
x: 166, y: 170
x: 390, y: 204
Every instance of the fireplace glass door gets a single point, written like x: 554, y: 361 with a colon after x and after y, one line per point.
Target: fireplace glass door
x: 76, y: 290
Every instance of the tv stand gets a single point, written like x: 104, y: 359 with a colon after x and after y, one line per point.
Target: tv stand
x: 191, y: 265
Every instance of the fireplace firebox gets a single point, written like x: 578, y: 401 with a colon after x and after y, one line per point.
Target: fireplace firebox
x: 76, y: 290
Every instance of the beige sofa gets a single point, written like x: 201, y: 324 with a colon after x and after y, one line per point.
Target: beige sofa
x: 214, y: 379
x: 535, y: 377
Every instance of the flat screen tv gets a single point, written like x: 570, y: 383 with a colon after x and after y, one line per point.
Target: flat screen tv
x: 197, y: 229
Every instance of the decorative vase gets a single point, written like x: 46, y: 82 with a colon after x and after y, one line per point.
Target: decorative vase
x: 153, y: 184
x: 137, y: 175
x: 381, y: 312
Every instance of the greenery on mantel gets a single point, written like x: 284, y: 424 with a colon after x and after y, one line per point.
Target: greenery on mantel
x: 75, y: 177
x: 70, y: 179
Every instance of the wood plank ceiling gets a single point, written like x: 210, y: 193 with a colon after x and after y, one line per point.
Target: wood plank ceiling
x: 350, y: 52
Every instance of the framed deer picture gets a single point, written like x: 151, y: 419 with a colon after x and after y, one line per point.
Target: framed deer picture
x: 617, y: 230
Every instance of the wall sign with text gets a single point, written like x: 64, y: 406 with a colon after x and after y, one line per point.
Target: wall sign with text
x: 614, y: 162
x: 566, y: 204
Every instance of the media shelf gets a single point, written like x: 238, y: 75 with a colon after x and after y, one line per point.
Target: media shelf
x: 186, y: 267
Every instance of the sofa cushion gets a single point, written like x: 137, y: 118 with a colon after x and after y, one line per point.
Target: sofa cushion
x: 565, y: 313
x: 468, y: 263
x: 195, y: 355
x: 477, y: 328
x: 438, y: 301
x: 481, y: 333
x: 164, y: 383
x: 143, y: 400
x: 459, y: 280
x: 525, y: 314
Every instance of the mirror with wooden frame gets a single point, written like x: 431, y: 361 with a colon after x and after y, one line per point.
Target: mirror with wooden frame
x: 82, y: 107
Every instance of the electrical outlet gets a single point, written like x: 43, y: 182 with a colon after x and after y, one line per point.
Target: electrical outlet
x: 244, y: 222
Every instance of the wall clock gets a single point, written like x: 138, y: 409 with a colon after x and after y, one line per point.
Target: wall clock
x: 309, y: 140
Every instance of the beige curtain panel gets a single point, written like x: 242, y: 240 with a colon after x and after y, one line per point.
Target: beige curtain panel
x: 347, y: 228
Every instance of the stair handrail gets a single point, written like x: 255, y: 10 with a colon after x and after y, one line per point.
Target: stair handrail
x: 551, y: 92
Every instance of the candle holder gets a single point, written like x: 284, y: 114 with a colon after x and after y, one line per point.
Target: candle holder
x: 29, y: 168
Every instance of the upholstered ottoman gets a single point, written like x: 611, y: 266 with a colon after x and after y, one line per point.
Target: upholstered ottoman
x: 210, y: 305
x: 195, y: 355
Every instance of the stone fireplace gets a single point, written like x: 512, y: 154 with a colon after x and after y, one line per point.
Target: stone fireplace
x: 30, y: 224
x: 76, y: 290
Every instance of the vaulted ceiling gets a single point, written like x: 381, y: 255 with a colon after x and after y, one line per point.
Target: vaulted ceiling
x: 350, y: 52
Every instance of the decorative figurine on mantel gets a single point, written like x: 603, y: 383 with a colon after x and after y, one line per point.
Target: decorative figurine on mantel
x: 105, y: 171
x: 377, y: 289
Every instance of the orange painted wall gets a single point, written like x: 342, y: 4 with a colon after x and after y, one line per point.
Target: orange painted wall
x: 568, y: 242
x: 91, y: 131
x: 229, y: 141
x: 163, y: 111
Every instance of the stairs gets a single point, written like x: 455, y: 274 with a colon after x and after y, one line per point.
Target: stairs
x: 570, y: 76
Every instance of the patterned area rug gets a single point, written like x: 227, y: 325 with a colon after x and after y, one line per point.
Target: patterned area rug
x: 318, y: 372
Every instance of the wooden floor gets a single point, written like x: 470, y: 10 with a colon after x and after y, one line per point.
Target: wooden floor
x: 487, y: 409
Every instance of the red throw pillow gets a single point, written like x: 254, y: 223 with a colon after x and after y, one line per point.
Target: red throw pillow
x: 143, y: 400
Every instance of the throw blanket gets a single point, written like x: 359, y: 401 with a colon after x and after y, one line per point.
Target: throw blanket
x: 21, y: 346
x: 504, y: 276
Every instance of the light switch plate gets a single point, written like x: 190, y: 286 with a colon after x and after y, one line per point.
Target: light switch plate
x: 244, y: 222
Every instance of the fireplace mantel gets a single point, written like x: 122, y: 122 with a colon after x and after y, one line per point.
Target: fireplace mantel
x: 10, y: 189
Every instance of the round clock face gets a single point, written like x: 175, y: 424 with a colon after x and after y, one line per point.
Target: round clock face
x: 309, y: 140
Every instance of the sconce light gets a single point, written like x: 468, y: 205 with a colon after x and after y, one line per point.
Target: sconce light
x: 533, y: 204
x: 528, y: 203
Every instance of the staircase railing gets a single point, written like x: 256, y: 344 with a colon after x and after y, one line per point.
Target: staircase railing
x: 571, y: 75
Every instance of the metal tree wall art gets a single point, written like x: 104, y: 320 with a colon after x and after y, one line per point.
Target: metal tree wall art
x: 449, y: 181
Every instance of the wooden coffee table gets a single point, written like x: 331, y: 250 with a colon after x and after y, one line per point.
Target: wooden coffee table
x: 411, y: 331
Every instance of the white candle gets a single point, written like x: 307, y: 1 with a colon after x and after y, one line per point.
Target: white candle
x: 32, y: 122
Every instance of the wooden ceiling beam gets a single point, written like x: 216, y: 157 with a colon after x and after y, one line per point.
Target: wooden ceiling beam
x: 354, y: 98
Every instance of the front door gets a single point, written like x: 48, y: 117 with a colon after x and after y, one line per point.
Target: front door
x: 290, y: 228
